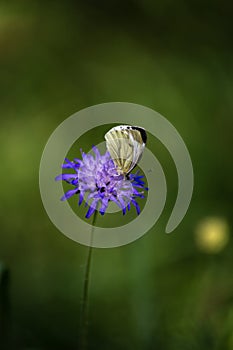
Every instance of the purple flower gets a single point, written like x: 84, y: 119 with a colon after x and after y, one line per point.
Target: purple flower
x: 96, y: 178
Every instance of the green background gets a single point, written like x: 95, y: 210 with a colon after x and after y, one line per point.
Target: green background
x: 162, y: 291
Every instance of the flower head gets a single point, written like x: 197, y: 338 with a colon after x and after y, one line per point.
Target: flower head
x: 95, y: 177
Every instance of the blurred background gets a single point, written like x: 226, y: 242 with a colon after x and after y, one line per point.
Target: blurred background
x: 162, y: 291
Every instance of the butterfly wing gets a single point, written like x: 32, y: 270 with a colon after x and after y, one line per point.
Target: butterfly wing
x: 138, y: 136
x: 125, y: 145
x: 120, y: 148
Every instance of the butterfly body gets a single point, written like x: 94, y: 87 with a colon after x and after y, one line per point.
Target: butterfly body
x: 125, y: 144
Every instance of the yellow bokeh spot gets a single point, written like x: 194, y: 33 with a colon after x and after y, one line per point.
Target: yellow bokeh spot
x: 212, y: 234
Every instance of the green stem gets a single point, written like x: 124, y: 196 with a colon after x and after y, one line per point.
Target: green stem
x: 84, y: 303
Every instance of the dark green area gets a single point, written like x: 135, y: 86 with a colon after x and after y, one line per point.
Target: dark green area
x: 160, y: 292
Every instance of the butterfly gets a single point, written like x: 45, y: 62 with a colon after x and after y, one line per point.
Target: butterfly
x: 125, y: 144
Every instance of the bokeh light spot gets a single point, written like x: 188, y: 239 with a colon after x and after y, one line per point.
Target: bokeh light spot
x: 212, y: 234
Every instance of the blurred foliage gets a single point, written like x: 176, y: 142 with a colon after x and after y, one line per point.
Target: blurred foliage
x: 59, y: 57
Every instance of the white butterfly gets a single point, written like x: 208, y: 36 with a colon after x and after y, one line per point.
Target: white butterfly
x: 125, y: 144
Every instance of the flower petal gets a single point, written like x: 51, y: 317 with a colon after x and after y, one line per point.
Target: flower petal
x: 91, y: 209
x: 104, y: 206
x: 81, y: 197
x: 68, y: 164
x: 69, y: 194
x: 97, y: 152
x: 123, y: 205
x: 65, y: 177
x: 136, y: 206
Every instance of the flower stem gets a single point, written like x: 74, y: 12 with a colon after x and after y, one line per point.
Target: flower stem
x: 84, y: 302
